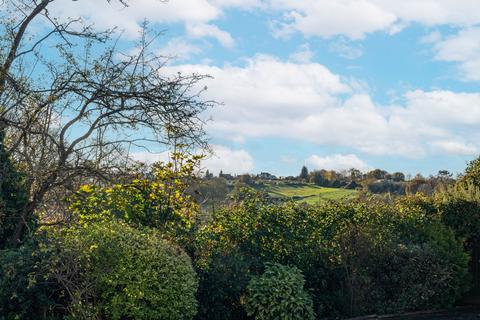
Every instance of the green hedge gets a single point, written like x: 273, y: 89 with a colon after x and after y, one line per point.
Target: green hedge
x: 279, y: 294
x: 358, y: 257
x: 114, y: 271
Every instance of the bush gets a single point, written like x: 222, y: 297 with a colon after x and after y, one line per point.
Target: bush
x: 25, y: 289
x: 162, y: 202
x: 400, y: 258
x: 279, y: 294
x: 460, y: 210
x: 356, y: 256
x: 251, y: 232
x: 222, y: 285
x: 407, y: 277
x: 114, y: 271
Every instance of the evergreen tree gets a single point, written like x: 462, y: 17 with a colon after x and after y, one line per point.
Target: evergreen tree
x: 304, y: 173
x: 13, y: 196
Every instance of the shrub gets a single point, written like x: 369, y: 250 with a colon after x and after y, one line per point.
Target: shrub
x: 161, y: 202
x: 399, y: 258
x: 460, y: 209
x: 406, y: 277
x: 356, y: 256
x: 279, y: 294
x: 251, y: 232
x: 114, y: 271
x: 26, y: 292
x: 222, y: 285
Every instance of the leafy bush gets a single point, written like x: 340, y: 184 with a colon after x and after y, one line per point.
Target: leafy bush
x: 356, y: 256
x: 410, y: 276
x: 161, y: 203
x: 114, y: 271
x: 222, y: 285
x: 251, y: 232
x: 25, y: 290
x: 460, y: 210
x: 399, y: 257
x: 279, y: 294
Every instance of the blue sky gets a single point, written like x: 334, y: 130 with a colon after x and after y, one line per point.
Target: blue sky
x: 330, y: 84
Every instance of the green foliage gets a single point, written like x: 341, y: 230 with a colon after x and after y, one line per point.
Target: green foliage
x: 113, y: 271
x: 342, y: 248
x: 400, y: 257
x: 303, y: 173
x: 279, y: 294
x: 472, y: 174
x: 309, y: 193
x: 161, y: 203
x: 13, y: 196
x: 26, y: 292
x: 222, y: 285
x: 460, y: 210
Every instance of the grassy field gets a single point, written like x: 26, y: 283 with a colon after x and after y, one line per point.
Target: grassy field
x: 309, y: 193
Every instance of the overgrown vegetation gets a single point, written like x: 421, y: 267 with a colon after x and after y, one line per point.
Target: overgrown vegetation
x: 278, y: 294
x: 123, y: 255
x: 87, y: 233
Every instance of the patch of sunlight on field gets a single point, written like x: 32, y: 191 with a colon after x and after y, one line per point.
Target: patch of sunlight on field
x: 308, y: 193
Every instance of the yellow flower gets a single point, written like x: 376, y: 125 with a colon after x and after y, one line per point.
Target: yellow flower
x: 86, y: 188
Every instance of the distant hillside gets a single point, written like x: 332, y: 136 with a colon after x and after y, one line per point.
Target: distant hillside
x: 306, y: 192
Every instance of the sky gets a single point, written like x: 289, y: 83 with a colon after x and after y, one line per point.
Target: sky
x: 330, y: 84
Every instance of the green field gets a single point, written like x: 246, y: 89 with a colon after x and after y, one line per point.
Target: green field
x: 308, y: 193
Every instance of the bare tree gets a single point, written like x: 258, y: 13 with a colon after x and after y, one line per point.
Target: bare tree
x: 71, y: 102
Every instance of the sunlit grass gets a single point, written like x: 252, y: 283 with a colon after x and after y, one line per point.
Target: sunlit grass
x: 308, y: 193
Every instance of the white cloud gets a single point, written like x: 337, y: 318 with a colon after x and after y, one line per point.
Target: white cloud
x: 337, y: 162
x: 326, y: 18
x: 303, y: 55
x: 464, y: 48
x: 234, y: 161
x: 345, y: 49
x: 243, y: 4
x: 356, y: 18
x: 456, y: 147
x: 179, y: 49
x: 268, y: 97
x: 201, y: 30
x: 433, y: 12
x: 432, y: 37
x: 107, y: 15
x: 229, y: 161
x: 150, y: 157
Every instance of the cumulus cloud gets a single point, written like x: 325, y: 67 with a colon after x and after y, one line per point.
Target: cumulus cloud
x: 337, y: 162
x: 201, y: 30
x: 105, y: 14
x: 432, y: 37
x: 268, y: 97
x: 464, y: 48
x: 455, y: 147
x: 179, y: 49
x: 324, y: 18
x: 356, y: 18
x: 242, y: 4
x: 151, y: 157
x: 345, y: 49
x: 327, y: 18
x: 235, y: 161
x: 303, y: 55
